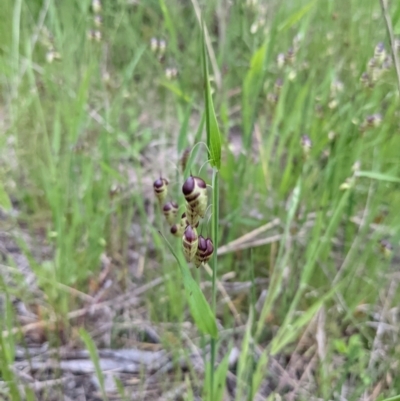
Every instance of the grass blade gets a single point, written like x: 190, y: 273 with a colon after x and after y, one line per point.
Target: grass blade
x: 378, y: 176
x: 199, y: 307
x: 94, y: 356
x: 213, y: 133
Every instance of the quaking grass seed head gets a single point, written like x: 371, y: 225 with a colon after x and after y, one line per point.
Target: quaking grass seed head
x: 280, y: 60
x: 184, y: 159
x: 194, y: 190
x: 154, y: 45
x: 170, y: 211
x: 177, y: 230
x: 306, y: 144
x: 97, y: 21
x: 290, y: 56
x: 278, y: 86
x: 201, y: 249
x: 190, y: 242
x: 379, y: 52
x: 160, y: 187
x: 96, y: 6
x: 192, y: 217
x: 386, y: 248
x: 184, y: 221
x: 205, y: 250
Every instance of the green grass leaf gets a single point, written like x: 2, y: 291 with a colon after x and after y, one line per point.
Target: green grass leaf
x: 296, y: 17
x: 378, y: 176
x: 94, y: 356
x: 219, y: 380
x: 259, y: 373
x: 251, y: 89
x: 289, y: 332
x: 5, y: 202
x: 395, y: 398
x: 199, y: 307
x: 213, y: 133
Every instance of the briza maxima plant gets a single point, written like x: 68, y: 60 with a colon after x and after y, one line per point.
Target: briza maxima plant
x: 196, y: 248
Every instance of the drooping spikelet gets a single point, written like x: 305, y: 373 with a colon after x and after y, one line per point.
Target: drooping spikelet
x: 184, y: 159
x: 195, y: 191
x: 205, y: 249
x: 306, y: 144
x: 177, y: 230
x: 190, y: 242
x: 170, y: 211
x: 192, y: 217
x: 160, y: 187
x: 96, y: 6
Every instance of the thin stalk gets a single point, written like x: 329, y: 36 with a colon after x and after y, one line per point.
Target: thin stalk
x: 389, y: 28
x: 214, y: 230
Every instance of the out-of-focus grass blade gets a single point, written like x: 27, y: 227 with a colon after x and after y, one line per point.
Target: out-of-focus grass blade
x: 251, y: 89
x: 129, y: 70
x: 395, y: 398
x: 169, y: 24
x: 296, y: 17
x: 174, y: 89
x: 289, y: 332
x: 277, y: 277
x: 377, y: 176
x: 5, y: 202
x: 182, y: 138
x: 213, y: 133
x: 200, y: 309
x: 94, y: 356
x: 243, y: 371
x: 220, y: 378
x: 259, y: 374
x: 7, y: 350
x: 195, y: 149
x: 218, y: 381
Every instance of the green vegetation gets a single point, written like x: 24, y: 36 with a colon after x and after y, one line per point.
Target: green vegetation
x: 288, y: 110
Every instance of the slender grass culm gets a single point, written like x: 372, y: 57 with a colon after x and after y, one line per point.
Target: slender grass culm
x: 214, y: 149
x: 195, y: 247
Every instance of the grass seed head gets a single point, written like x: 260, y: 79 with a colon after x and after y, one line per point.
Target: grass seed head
x: 185, y: 159
x: 94, y: 35
x: 195, y: 191
x: 379, y: 52
x: 387, y: 63
x: 365, y: 80
x: 192, y: 217
x: 171, y: 73
x: 97, y: 20
x: 170, y: 211
x: 280, y: 60
x: 96, y: 6
x: 290, y: 56
x: 205, y: 249
x: 177, y: 230
x: 52, y: 56
x: 190, y: 242
x: 154, y: 45
x: 386, y: 248
x: 162, y: 46
x: 306, y: 144
x: 160, y: 187
x: 278, y: 86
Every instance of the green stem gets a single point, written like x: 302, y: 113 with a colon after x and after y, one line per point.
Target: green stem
x: 214, y: 230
